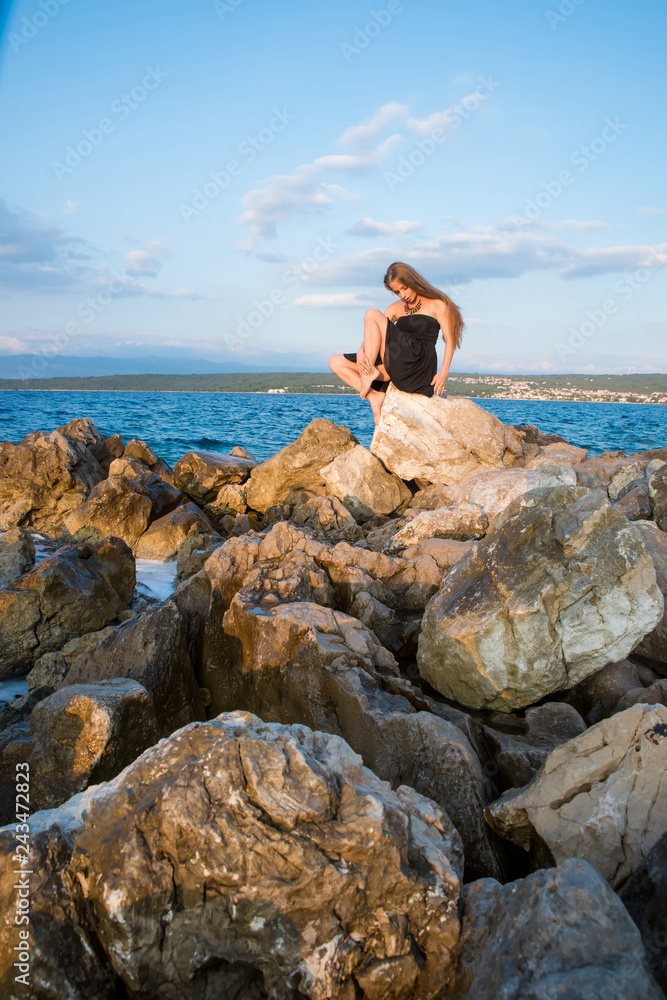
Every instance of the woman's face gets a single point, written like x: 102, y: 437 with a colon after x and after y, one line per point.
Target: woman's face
x: 401, y: 289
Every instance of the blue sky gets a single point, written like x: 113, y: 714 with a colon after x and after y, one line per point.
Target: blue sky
x: 229, y: 179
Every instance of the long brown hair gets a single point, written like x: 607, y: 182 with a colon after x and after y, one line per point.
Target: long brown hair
x: 418, y: 284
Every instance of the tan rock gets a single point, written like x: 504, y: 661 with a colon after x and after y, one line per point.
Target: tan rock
x: 165, y: 536
x: 201, y: 474
x: 597, y: 797
x: 78, y: 589
x: 153, y: 649
x: 43, y: 478
x: 85, y: 734
x: 561, y: 585
x: 558, y: 453
x: 658, y: 491
x: 466, y: 520
x: 297, y: 466
x: 117, y: 506
x: 139, y: 450
x: 441, y: 440
x: 230, y: 499
x: 363, y: 484
x: 264, y: 857
x: 17, y: 554
x: 493, y: 492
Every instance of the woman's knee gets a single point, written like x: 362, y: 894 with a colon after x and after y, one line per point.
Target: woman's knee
x: 336, y: 362
x: 374, y: 314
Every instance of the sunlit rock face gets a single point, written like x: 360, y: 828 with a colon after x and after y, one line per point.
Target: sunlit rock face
x: 560, y: 586
x: 242, y: 859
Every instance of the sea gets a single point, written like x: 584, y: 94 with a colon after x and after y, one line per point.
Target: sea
x: 173, y: 423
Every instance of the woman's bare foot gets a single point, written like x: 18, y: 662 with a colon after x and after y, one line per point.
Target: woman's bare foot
x: 376, y: 399
x: 367, y: 377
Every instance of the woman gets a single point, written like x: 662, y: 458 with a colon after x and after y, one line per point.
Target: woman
x: 399, y: 344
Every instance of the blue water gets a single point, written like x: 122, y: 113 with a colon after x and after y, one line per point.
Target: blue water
x: 174, y: 423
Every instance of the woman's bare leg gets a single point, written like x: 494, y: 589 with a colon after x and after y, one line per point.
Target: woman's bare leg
x: 375, y: 329
x: 348, y: 372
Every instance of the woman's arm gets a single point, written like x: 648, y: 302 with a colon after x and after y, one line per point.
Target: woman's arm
x: 440, y: 380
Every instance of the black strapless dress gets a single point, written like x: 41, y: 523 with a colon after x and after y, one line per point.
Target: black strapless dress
x: 410, y: 359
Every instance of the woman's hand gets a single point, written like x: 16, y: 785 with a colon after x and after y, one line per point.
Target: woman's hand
x: 438, y: 383
x: 362, y: 361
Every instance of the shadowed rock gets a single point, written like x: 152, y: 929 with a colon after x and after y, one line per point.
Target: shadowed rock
x: 564, y: 933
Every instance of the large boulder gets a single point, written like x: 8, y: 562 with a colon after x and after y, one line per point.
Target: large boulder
x: 441, y: 440
x: 599, y: 695
x: 17, y: 554
x: 597, y: 797
x: 493, y: 492
x: 645, y: 897
x: 155, y: 650
x: 361, y: 481
x: 460, y: 523
x: 85, y: 734
x: 201, y: 474
x: 117, y: 506
x: 563, y: 932
x: 559, y: 587
x: 287, y: 658
x: 78, y: 589
x: 165, y: 536
x: 297, y: 465
x: 46, y: 476
x: 654, y: 645
x: 658, y: 492
x: 240, y: 859
x: 123, y: 505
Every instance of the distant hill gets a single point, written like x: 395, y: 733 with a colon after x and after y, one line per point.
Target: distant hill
x: 650, y: 388
x: 24, y: 366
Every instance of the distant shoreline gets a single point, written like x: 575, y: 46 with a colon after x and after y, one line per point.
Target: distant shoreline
x: 342, y: 395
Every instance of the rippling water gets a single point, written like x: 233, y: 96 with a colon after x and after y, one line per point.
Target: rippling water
x: 173, y: 423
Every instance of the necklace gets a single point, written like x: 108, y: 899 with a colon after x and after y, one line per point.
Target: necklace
x: 414, y: 308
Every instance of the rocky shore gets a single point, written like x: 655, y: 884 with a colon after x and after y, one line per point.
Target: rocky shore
x: 400, y: 730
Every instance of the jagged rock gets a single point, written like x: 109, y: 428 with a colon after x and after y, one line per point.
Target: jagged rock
x: 492, y: 492
x: 598, y: 696
x: 153, y: 649
x: 297, y: 466
x: 46, y: 476
x: 51, y: 669
x: 78, y: 589
x: 597, y: 796
x: 165, y: 536
x: 117, y: 506
x: 645, y: 898
x: 464, y: 521
x: 519, y: 755
x: 230, y: 499
x: 269, y: 863
x: 201, y: 474
x: 17, y: 554
x: 328, y: 518
x: 654, y: 645
x: 635, y: 504
x: 561, y: 585
x: 85, y: 734
x: 564, y: 933
x: 193, y: 553
x: 658, y: 492
x: 598, y: 471
x: 530, y: 434
x: 139, y: 449
x: 558, y: 453
x: 308, y: 663
x: 363, y: 484
x: 441, y: 440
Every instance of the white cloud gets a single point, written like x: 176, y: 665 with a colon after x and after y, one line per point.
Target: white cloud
x: 366, y: 131
x: 13, y: 345
x: 446, y: 120
x: 652, y: 211
x: 70, y: 208
x: 178, y: 293
x: 503, y: 250
x: 337, y: 300
x: 370, y: 227
x: 147, y: 261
